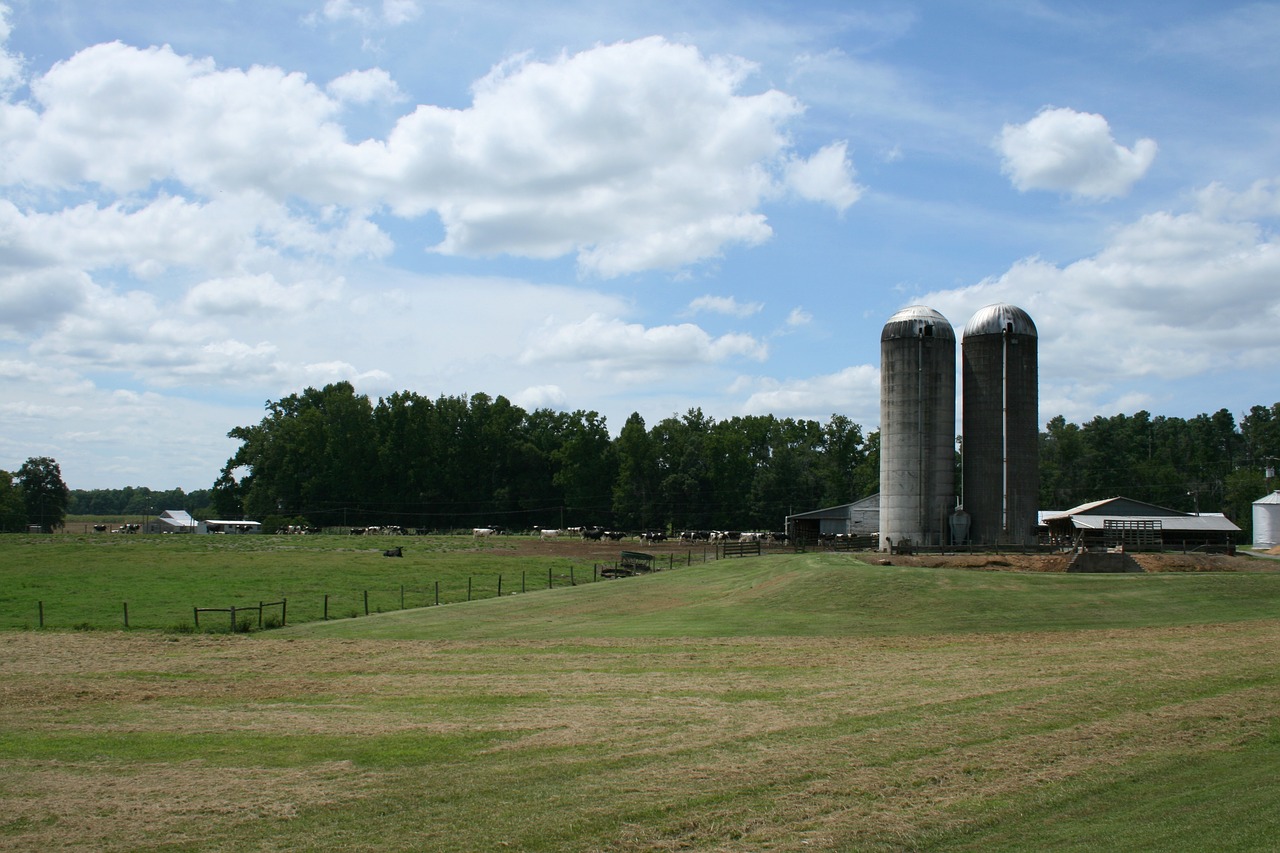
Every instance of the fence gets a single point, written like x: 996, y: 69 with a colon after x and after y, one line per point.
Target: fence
x: 325, y: 606
x: 233, y: 610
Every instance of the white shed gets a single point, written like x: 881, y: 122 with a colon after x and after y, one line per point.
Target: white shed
x: 1266, y: 521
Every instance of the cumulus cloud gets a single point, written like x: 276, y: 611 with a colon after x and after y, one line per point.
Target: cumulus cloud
x: 1171, y: 296
x: 726, y: 305
x: 629, y: 352
x: 634, y: 156
x: 854, y: 390
x: 363, y: 87
x: 825, y: 177
x: 1067, y: 151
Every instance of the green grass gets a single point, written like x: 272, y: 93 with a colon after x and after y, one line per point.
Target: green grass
x: 806, y: 702
x: 85, y: 580
x: 836, y: 595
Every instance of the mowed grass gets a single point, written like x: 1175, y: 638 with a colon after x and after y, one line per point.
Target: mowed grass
x: 86, y: 580
x: 806, y: 702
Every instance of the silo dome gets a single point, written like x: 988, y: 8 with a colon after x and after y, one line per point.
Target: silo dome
x: 995, y: 319
x: 917, y: 427
x: 1001, y: 451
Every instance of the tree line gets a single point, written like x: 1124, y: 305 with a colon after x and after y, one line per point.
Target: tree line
x: 331, y: 457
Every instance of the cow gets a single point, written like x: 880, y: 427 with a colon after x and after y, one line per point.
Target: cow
x: 478, y: 532
x: 593, y: 533
x: 394, y: 552
x: 548, y: 533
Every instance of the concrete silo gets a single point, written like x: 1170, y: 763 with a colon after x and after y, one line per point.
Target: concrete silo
x: 917, y: 427
x: 1001, y: 426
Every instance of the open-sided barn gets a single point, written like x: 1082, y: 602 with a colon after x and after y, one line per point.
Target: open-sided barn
x: 1137, y: 525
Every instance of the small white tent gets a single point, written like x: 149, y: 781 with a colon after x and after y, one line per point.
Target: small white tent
x: 1266, y: 521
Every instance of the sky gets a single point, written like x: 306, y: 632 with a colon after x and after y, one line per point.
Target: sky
x: 618, y: 208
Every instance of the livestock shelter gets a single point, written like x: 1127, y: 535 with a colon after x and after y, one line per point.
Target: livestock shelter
x: 242, y: 526
x: 1266, y: 521
x: 860, y: 518
x: 173, y: 521
x: 1138, y: 526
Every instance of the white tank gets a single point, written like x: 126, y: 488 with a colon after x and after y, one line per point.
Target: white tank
x: 1266, y: 521
x: 917, y: 427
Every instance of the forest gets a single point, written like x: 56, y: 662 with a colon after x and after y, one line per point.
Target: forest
x: 330, y: 456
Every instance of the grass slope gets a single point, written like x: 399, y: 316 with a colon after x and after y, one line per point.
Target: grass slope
x: 789, y: 703
x: 832, y: 595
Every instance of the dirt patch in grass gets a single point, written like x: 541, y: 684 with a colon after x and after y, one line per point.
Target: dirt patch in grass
x: 1059, y: 562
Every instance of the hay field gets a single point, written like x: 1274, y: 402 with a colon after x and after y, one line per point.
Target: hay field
x: 1141, y: 732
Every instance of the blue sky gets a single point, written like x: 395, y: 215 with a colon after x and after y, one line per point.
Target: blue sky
x: 616, y: 208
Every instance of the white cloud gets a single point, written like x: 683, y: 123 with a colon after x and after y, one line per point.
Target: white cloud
x: 1067, y: 151
x: 363, y: 87
x: 393, y: 12
x: 798, y: 317
x: 634, y: 156
x: 1173, y: 296
x: 629, y: 352
x: 540, y: 397
x: 726, y: 305
x: 10, y: 63
x: 825, y: 177
x: 854, y: 390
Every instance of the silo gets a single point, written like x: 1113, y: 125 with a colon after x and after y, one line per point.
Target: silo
x: 1001, y: 451
x: 1266, y: 521
x: 917, y: 427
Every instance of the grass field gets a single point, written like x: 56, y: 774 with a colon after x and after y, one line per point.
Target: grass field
x: 805, y: 702
x: 85, y: 580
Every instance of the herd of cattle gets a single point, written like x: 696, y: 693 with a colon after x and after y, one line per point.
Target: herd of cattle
x: 599, y: 533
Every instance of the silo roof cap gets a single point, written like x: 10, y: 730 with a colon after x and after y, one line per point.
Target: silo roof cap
x: 994, y: 319
x: 913, y: 321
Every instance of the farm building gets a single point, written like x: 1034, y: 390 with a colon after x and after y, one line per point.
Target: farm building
x: 174, y: 521
x: 860, y: 518
x: 1266, y: 521
x: 242, y: 526
x: 1137, y: 525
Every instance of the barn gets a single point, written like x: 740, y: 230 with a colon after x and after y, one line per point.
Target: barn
x: 860, y: 518
x: 173, y: 521
x: 1137, y: 525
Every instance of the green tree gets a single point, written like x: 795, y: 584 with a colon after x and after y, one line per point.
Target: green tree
x: 635, y: 490
x: 13, y: 511
x: 43, y: 493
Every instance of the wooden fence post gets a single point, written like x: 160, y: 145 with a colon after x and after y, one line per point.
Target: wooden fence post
x: 284, y: 606
x: 468, y: 587
x: 259, y: 615
x: 572, y: 582
x: 402, y: 596
x: 40, y: 605
x: 499, y: 586
x: 437, y: 593
x: 522, y: 587
x: 233, y: 618
x: 366, y: 602
x: 549, y: 577
x: 326, y: 607
x: 195, y: 612
x: 126, y: 614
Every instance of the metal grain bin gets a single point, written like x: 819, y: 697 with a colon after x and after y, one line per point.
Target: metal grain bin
x: 917, y: 427
x: 1001, y: 452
